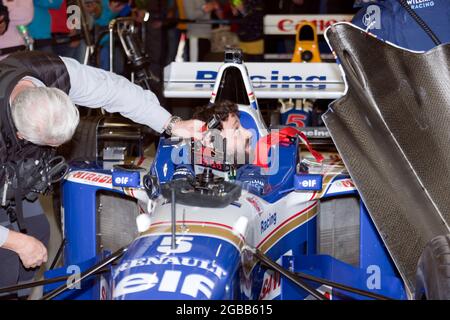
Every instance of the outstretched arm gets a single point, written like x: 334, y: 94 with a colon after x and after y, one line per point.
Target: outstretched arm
x: 95, y: 88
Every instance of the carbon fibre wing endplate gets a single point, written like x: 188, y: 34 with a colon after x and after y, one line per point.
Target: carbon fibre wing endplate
x: 392, y: 129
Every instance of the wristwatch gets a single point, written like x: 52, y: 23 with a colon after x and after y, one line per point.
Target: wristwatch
x: 172, y: 121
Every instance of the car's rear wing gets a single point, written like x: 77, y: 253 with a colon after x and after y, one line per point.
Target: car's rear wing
x: 269, y: 80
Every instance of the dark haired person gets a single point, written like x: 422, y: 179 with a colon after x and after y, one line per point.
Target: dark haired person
x: 61, y: 33
x: 199, y: 35
x: 230, y: 127
x: 40, y: 26
x: 238, y: 144
x: 251, y: 31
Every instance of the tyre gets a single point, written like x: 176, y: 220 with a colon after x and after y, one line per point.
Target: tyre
x: 83, y: 145
x: 433, y: 270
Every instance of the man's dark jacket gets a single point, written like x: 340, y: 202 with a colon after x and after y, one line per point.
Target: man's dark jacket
x: 19, y: 169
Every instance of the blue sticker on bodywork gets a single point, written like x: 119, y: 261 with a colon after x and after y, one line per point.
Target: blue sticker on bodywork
x: 127, y: 179
x: 308, y: 182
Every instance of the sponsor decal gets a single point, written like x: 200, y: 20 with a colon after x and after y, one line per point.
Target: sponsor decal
x: 340, y: 186
x: 135, y: 283
x: 206, y: 265
x: 206, y: 77
x: 126, y: 179
x: 308, y: 182
x: 192, y: 285
x: 271, y: 287
x: 347, y: 183
x: 287, y: 226
x: 420, y: 4
x: 183, y: 245
x: 269, y: 222
x: 89, y: 177
x: 255, y: 203
x: 288, y: 24
x: 176, y: 271
x: 316, y: 133
x: 120, y: 181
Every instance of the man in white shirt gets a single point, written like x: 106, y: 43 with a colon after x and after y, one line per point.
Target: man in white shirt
x: 38, y: 93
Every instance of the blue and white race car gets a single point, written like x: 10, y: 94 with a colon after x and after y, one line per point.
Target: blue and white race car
x: 203, y: 231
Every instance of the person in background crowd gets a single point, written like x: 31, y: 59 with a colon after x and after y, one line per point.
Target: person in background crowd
x: 172, y: 31
x: 293, y: 6
x: 199, y: 35
x: 20, y: 13
x: 40, y: 26
x: 61, y: 33
x: 94, y: 9
x: 103, y: 11
x: 155, y: 44
x: 223, y: 35
x: 251, y: 30
x: 181, y: 27
x: 119, y: 8
x: 100, y: 15
x: 336, y: 7
x: 309, y: 6
x: 299, y: 7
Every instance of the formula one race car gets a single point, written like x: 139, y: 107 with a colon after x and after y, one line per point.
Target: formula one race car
x: 204, y: 231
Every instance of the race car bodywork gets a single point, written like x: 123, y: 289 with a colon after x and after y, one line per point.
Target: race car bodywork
x: 390, y: 129
x: 205, y: 251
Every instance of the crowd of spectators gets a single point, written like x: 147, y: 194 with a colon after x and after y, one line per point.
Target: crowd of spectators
x: 205, y: 26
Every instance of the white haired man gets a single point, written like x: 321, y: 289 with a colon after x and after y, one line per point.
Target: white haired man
x: 38, y: 93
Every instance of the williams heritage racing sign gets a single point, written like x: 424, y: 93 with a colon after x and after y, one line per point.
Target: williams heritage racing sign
x: 280, y: 24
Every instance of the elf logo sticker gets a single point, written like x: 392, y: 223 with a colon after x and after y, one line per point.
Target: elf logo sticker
x: 194, y: 285
x: 135, y: 283
x: 308, y: 182
x: 126, y: 179
x: 121, y: 180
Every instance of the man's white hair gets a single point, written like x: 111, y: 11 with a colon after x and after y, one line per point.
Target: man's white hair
x: 44, y: 116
